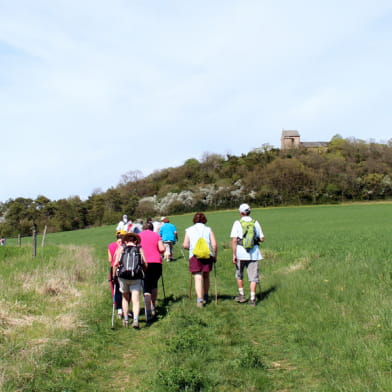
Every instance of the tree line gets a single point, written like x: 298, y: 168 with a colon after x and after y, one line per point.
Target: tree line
x: 347, y: 170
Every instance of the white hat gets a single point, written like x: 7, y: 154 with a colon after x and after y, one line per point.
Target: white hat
x: 244, y: 208
x: 163, y: 217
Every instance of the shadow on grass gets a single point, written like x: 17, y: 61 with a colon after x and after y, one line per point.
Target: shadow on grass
x: 163, y: 307
x: 261, y: 296
x: 266, y: 293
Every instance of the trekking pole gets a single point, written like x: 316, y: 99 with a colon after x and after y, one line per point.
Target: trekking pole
x: 216, y: 287
x: 190, y: 284
x: 163, y: 286
x: 114, y: 294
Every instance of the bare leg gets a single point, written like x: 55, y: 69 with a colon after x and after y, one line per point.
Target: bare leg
x: 198, y: 284
x: 206, y: 279
x: 147, y: 301
x: 135, y: 304
x: 125, y: 305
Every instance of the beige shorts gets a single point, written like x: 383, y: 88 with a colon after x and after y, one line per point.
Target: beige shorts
x: 252, y: 268
x: 127, y: 286
x: 168, y: 247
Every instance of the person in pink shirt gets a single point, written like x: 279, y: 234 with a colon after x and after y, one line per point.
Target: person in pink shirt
x: 112, y: 250
x: 153, y: 248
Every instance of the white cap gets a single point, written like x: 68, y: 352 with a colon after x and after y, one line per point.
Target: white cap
x: 244, y: 208
x: 163, y: 217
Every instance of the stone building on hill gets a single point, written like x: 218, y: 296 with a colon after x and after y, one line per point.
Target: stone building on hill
x: 292, y: 139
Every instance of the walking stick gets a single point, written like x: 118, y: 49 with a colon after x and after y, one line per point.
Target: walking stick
x: 216, y: 288
x: 163, y: 286
x: 114, y: 305
x: 190, y: 289
x: 190, y: 284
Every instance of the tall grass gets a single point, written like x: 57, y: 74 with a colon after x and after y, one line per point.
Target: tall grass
x: 323, y: 321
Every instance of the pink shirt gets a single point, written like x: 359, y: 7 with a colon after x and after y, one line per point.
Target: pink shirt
x: 149, y: 243
x: 112, y: 249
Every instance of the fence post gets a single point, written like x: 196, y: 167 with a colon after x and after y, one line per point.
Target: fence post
x: 44, y: 236
x: 34, y: 240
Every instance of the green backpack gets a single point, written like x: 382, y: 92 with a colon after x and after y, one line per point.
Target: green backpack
x: 249, y: 238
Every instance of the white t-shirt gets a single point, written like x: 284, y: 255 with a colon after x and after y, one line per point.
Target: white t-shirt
x: 195, y: 232
x: 236, y: 232
x: 122, y: 225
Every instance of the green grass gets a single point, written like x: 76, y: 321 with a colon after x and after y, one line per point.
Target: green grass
x: 323, y: 322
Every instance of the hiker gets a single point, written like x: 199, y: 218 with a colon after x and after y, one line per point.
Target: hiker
x: 114, y: 286
x: 129, y: 226
x: 122, y: 225
x: 130, y: 288
x: 168, y: 233
x: 2, y: 241
x: 246, y: 234
x: 157, y: 224
x: 153, y: 248
x: 200, y: 265
x: 137, y: 227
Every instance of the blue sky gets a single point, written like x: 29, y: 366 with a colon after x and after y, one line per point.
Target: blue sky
x: 90, y: 90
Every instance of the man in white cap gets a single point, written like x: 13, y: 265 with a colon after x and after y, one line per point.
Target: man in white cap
x: 246, y: 234
x: 122, y: 225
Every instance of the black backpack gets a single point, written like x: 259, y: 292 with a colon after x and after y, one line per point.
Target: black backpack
x: 131, y: 263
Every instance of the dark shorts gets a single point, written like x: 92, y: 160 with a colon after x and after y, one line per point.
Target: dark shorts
x: 200, y: 265
x: 153, y: 273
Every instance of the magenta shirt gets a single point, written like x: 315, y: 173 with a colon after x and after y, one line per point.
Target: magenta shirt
x: 112, y: 249
x: 149, y: 243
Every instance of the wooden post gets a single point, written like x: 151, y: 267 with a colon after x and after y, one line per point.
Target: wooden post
x: 44, y: 236
x: 34, y: 240
x: 19, y: 240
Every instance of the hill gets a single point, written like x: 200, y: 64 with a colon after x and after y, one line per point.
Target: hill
x: 348, y: 170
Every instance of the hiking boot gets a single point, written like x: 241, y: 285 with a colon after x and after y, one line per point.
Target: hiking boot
x: 125, y: 323
x: 252, y: 302
x: 240, y: 298
x: 200, y: 304
x: 135, y: 324
x: 119, y: 314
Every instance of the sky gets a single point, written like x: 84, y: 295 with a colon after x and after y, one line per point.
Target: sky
x: 91, y: 90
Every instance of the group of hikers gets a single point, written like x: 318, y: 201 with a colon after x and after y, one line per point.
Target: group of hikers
x: 136, y: 260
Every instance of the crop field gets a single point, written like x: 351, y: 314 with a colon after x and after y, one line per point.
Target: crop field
x: 323, y: 321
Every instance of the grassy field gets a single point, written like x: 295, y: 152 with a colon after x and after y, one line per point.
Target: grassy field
x: 322, y: 323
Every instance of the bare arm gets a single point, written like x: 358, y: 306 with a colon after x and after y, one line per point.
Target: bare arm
x: 161, y: 247
x: 214, y: 245
x: 109, y: 257
x: 185, y: 245
x: 234, y: 249
x: 145, y: 263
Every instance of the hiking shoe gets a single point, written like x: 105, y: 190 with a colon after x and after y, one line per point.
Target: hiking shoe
x: 200, y: 304
x: 119, y: 315
x: 125, y: 323
x: 240, y: 298
x: 252, y: 302
x: 135, y: 324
